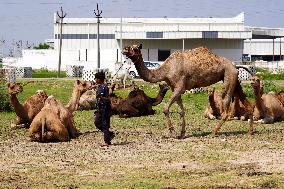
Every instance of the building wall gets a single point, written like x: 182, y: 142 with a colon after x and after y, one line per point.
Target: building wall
x: 263, y: 47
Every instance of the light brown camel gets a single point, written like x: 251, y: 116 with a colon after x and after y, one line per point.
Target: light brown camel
x: 47, y: 125
x: 215, y: 107
x: 185, y: 70
x: 32, y: 106
x: 55, y: 115
x: 88, y: 100
x: 137, y: 103
x: 269, y: 107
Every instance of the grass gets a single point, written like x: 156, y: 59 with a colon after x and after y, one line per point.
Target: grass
x: 142, y: 156
x: 268, y: 75
x: 44, y: 73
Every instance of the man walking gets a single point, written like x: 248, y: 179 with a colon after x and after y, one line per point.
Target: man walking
x: 102, y: 115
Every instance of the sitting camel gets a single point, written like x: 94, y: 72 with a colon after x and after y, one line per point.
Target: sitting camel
x: 269, y: 108
x: 137, y: 102
x: 32, y: 106
x: 215, y: 107
x: 47, y: 125
x: 88, y: 100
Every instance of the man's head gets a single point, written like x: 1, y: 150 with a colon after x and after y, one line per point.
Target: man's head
x: 100, y: 77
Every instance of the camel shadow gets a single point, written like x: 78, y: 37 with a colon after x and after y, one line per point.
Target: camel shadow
x: 121, y: 143
x: 88, y: 133
x: 225, y: 133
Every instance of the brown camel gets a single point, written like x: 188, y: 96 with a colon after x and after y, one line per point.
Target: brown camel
x: 55, y: 115
x: 215, y: 106
x: 269, y: 107
x: 32, y: 106
x: 79, y: 88
x: 185, y: 70
x: 48, y: 126
x: 88, y: 100
x: 137, y: 102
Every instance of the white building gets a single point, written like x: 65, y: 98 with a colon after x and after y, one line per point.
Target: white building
x: 159, y: 36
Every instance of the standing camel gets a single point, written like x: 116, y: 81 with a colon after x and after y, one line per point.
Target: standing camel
x: 185, y: 70
x: 31, y: 107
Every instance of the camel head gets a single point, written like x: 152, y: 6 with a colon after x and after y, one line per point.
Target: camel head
x: 14, y: 88
x: 83, y: 86
x: 210, y: 91
x: 281, y: 97
x: 133, y: 52
x: 164, y: 88
x: 255, y: 82
x: 41, y: 94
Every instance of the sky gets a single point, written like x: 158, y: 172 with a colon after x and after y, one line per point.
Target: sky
x: 32, y: 20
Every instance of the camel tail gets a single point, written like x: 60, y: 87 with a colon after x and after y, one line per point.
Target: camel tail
x: 43, y: 122
x: 245, y: 68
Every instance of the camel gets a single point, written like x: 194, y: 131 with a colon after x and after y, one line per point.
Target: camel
x: 137, y: 102
x: 185, y: 70
x: 48, y: 124
x: 122, y: 74
x: 269, y: 107
x: 88, y: 100
x: 215, y: 107
x: 31, y: 107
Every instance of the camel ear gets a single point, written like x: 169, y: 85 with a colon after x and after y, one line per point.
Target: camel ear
x: 77, y: 82
x: 8, y: 84
x: 140, y: 46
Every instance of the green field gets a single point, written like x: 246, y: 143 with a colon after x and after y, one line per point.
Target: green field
x: 142, y: 155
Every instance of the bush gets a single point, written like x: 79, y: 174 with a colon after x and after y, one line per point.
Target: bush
x: 45, y: 73
x: 5, y: 104
x: 267, y: 75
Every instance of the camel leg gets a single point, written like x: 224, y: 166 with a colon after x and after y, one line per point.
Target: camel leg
x: 182, y: 114
x: 124, y: 81
x: 176, y: 94
x: 230, y: 82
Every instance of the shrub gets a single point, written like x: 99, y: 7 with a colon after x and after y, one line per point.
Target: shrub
x: 268, y: 75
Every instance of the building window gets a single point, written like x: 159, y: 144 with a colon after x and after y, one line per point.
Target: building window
x: 163, y: 54
x: 72, y: 36
x: 210, y: 34
x: 84, y: 36
x: 154, y: 34
x: 102, y: 36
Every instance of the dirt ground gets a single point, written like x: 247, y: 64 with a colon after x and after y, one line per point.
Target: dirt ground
x: 142, y: 156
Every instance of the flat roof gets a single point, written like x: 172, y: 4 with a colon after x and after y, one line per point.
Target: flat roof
x: 265, y: 33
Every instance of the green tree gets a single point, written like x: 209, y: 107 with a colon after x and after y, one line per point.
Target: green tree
x: 42, y: 46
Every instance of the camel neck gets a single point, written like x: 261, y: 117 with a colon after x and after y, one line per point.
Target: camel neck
x: 159, y: 97
x: 19, y: 108
x: 73, y: 103
x: 258, y: 101
x: 146, y: 74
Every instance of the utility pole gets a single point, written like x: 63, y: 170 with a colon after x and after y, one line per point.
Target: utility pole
x: 98, y: 16
x: 29, y: 46
x: 2, y: 42
x: 60, y: 16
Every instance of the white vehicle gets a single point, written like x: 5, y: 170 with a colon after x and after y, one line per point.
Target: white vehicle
x: 148, y: 64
